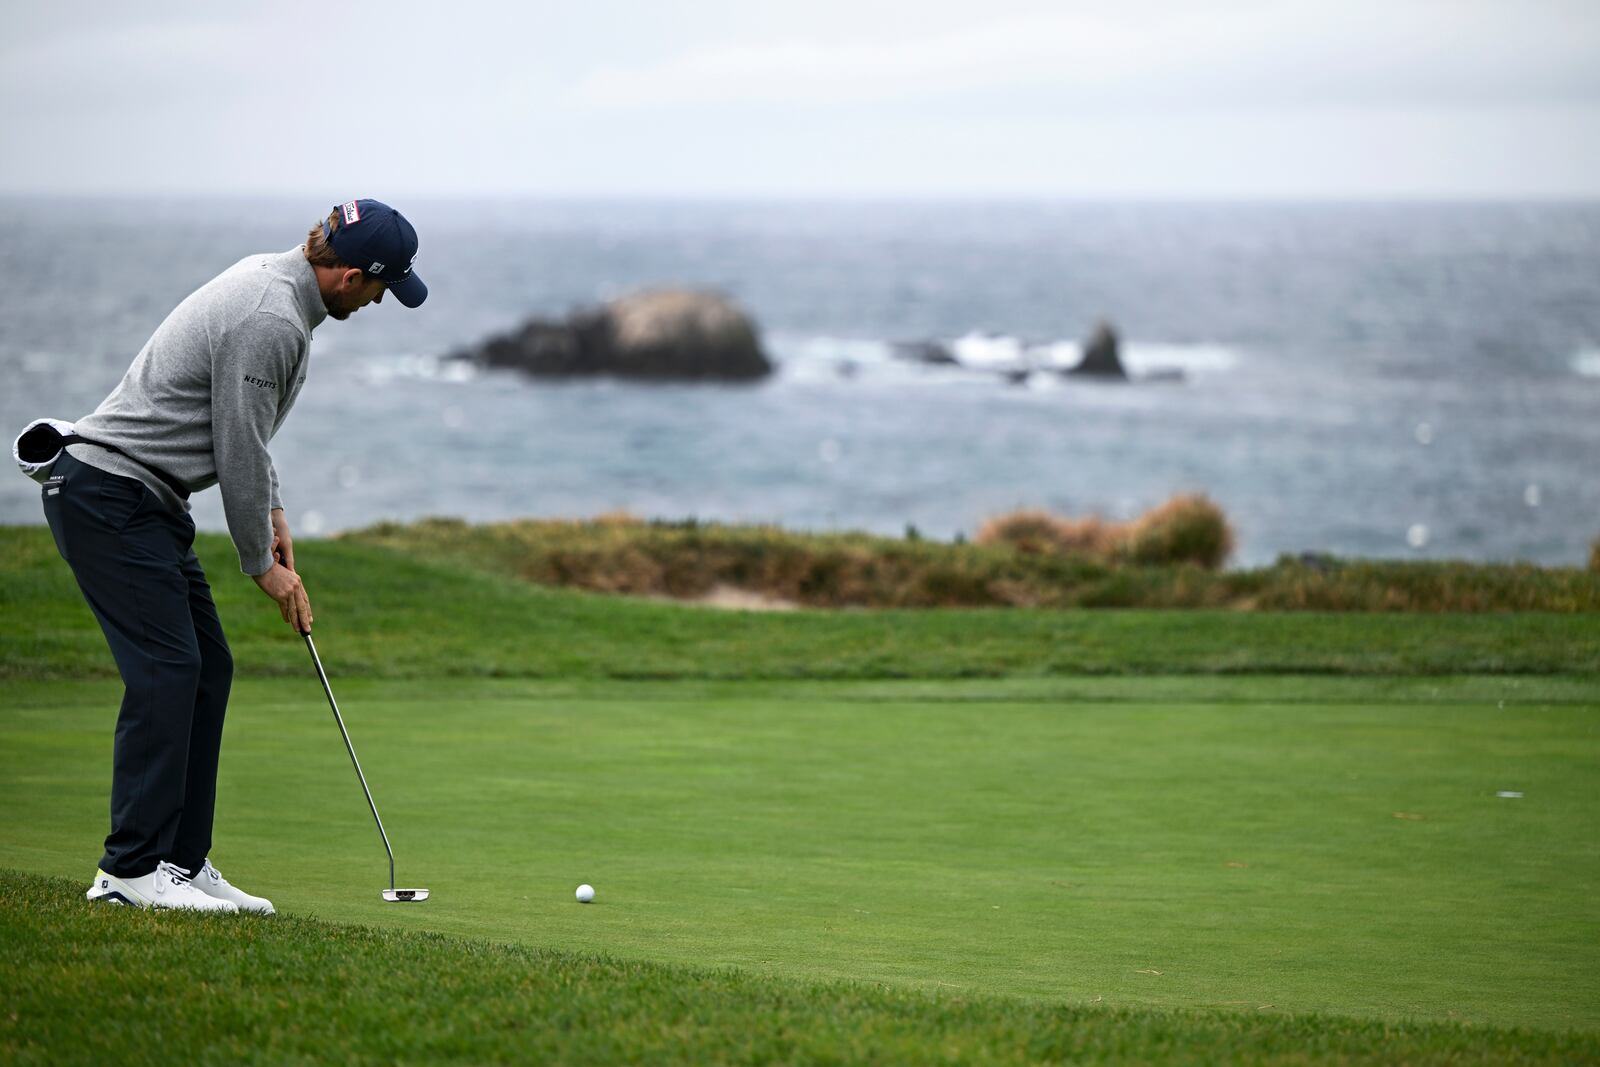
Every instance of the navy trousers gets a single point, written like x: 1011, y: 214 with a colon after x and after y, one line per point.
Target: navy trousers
x: 134, y: 559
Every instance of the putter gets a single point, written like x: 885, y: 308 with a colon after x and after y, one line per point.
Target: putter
x: 392, y: 895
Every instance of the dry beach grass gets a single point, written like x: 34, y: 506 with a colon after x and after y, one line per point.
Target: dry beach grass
x: 1168, y: 558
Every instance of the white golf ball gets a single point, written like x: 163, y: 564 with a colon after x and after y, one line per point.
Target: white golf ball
x: 585, y: 893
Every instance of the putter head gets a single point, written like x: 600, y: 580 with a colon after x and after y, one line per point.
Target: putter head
x: 405, y: 896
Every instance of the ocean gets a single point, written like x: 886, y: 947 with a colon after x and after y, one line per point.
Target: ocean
x: 1386, y: 380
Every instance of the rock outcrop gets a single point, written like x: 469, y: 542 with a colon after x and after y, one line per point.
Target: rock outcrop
x: 1102, y: 357
x: 933, y: 353
x: 663, y: 335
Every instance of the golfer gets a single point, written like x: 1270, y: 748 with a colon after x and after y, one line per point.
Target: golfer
x: 197, y: 408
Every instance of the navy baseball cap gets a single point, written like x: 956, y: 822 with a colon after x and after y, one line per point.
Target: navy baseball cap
x: 378, y: 239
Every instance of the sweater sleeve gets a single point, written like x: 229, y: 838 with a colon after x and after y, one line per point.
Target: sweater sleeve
x: 249, y: 378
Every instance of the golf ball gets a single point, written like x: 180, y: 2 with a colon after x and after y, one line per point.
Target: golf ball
x: 585, y: 893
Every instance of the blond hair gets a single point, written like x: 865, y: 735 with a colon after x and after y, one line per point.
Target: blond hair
x: 319, y: 250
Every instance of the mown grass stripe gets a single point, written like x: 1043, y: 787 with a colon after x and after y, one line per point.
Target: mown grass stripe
x: 382, y: 613
x: 87, y: 984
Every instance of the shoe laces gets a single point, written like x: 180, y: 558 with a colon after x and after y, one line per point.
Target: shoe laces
x: 170, y: 873
x: 211, y: 872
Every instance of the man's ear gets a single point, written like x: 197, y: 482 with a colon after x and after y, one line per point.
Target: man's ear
x: 352, y: 278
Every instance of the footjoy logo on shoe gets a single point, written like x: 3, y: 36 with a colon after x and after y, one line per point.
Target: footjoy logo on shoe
x: 105, y: 883
x: 260, y: 383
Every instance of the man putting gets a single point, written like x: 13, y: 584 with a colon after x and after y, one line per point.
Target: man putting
x: 197, y: 407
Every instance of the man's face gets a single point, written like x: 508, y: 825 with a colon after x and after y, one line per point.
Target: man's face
x: 356, y: 289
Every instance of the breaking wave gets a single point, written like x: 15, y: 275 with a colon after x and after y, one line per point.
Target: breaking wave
x: 813, y: 356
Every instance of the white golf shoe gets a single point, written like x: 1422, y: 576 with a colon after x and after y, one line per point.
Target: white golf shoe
x: 165, y: 887
x: 210, y: 882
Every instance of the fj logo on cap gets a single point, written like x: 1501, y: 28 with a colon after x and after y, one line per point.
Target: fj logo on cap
x: 376, y: 268
x: 352, y: 214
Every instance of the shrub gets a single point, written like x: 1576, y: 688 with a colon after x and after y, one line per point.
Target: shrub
x: 1032, y: 532
x: 1089, y: 537
x: 1186, y: 529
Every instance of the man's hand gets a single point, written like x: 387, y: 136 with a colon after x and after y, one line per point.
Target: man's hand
x: 282, y: 543
x: 283, y: 585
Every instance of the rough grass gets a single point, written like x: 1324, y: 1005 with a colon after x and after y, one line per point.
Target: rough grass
x: 103, y: 985
x: 689, y: 559
x: 409, y: 606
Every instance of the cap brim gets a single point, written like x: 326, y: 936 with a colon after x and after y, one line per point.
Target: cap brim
x: 409, y: 290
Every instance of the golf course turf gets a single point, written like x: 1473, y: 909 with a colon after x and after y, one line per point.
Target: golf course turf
x: 798, y: 866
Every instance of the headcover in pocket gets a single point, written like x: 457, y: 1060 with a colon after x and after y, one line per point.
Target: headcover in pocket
x: 39, y: 445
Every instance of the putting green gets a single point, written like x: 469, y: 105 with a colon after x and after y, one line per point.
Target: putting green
x: 1311, y: 845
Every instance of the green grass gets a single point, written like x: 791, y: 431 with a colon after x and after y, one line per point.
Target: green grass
x: 293, y: 990
x: 956, y: 835
x: 1180, y: 852
x: 388, y: 615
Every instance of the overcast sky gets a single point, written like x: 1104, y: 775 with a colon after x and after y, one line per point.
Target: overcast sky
x: 1131, y: 98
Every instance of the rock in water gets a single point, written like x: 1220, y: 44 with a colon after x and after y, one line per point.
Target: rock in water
x: 1101, y: 356
x: 930, y: 352
x: 544, y: 348
x: 669, y: 334
x: 677, y: 333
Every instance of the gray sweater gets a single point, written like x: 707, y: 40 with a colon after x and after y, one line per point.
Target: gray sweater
x: 210, y: 389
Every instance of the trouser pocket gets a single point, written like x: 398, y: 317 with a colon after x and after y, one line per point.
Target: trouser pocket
x: 51, y: 495
x: 119, y: 499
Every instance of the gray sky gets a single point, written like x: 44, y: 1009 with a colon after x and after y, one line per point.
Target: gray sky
x: 1138, y: 98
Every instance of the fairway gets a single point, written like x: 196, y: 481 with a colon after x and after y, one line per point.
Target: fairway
x: 1266, y: 844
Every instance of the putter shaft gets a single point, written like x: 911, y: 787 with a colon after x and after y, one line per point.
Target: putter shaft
x: 334, y: 704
